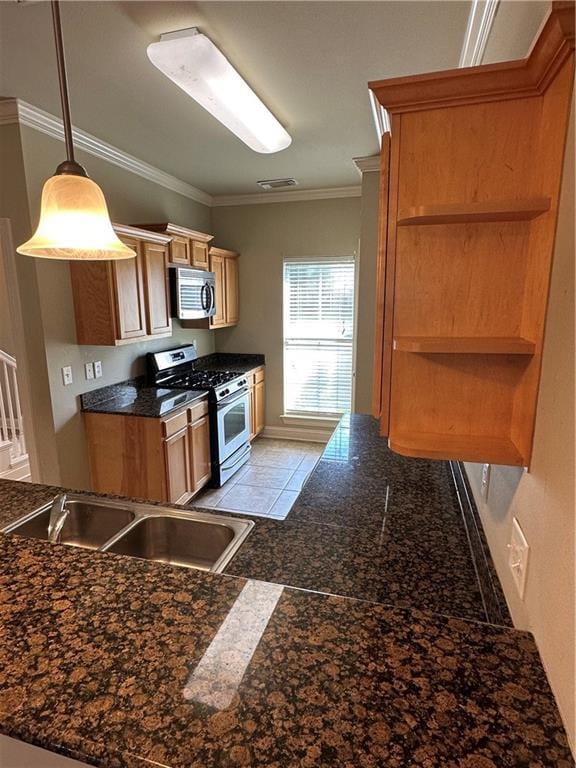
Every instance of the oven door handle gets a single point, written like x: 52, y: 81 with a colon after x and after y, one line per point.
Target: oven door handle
x: 240, y: 393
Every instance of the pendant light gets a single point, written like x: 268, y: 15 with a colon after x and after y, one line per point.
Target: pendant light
x: 74, y: 221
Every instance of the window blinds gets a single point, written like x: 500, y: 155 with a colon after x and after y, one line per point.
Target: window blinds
x: 318, y: 335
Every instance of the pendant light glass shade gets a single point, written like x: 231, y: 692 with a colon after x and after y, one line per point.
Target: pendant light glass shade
x: 74, y: 223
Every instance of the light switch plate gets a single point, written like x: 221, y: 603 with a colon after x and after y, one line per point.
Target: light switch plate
x: 67, y: 378
x: 98, y: 369
x: 89, y: 371
x: 518, y: 552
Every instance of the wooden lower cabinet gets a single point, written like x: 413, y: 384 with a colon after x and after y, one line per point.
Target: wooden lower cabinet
x: 257, y: 401
x: 177, y: 462
x: 200, y: 465
x: 157, y: 459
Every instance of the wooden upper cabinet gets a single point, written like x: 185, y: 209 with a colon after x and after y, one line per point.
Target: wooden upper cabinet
x: 217, y: 266
x: 188, y: 247
x: 231, y: 288
x: 158, y: 315
x: 470, y: 197
x: 128, y: 281
x: 119, y: 302
x: 224, y: 264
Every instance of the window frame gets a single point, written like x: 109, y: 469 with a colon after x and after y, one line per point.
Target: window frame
x: 318, y: 416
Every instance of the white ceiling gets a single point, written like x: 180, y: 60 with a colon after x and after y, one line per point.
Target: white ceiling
x: 308, y: 61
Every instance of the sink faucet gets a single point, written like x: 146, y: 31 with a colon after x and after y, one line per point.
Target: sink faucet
x: 58, y: 516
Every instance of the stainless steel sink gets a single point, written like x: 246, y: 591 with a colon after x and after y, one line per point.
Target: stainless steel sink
x: 189, y: 541
x: 90, y: 523
x: 187, y: 538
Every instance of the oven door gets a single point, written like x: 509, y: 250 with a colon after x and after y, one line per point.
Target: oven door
x: 233, y: 419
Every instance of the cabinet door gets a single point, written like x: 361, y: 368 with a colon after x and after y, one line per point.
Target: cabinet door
x: 252, y: 413
x: 180, y: 251
x: 217, y: 266
x: 259, y: 407
x: 231, y: 290
x: 129, y: 294
x: 199, y: 254
x: 177, y: 461
x: 157, y: 296
x: 200, y: 453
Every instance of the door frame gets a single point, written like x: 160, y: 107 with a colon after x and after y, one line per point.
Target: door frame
x: 8, y: 258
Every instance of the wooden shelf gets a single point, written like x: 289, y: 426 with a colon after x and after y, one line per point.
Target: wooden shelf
x: 479, y: 345
x: 477, y: 448
x: 470, y: 213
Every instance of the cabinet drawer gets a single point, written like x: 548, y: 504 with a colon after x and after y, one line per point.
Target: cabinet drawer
x: 174, y: 424
x: 255, y: 377
x: 197, y: 411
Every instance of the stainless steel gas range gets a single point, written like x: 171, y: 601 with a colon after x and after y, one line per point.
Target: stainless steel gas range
x: 229, y: 405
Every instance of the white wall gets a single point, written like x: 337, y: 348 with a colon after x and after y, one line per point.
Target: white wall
x: 264, y: 235
x: 543, y: 499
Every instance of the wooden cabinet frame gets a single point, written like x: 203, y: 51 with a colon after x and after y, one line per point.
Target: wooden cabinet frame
x: 224, y: 264
x: 468, y: 219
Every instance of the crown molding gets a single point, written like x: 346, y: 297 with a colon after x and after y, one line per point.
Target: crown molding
x: 18, y: 111
x: 478, y: 30
x: 523, y: 78
x: 293, y: 195
x: 368, y: 164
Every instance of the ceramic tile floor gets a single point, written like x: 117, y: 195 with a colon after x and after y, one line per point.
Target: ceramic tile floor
x: 270, y: 483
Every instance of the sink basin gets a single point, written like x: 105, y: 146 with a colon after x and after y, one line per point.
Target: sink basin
x: 186, y: 538
x: 90, y: 523
x: 179, y: 540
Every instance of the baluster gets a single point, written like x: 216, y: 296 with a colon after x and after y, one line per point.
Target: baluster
x: 21, y: 439
x: 3, y: 421
x: 10, y: 406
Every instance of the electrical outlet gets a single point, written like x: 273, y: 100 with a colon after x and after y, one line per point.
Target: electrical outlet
x: 518, y: 551
x: 485, y: 481
x: 89, y: 371
x: 67, y: 378
x: 98, y: 369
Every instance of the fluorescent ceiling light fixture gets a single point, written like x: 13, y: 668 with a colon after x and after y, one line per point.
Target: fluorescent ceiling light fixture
x: 193, y: 62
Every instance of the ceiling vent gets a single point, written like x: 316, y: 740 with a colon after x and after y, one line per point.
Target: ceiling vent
x: 277, y: 183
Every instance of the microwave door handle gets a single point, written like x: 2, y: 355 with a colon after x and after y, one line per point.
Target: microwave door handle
x: 213, y: 297
x: 203, y: 302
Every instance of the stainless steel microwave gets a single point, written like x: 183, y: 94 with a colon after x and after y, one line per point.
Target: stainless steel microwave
x: 193, y: 293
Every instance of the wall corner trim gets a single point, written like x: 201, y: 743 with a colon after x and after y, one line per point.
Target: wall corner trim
x: 367, y: 164
x: 480, y: 20
x: 18, y: 111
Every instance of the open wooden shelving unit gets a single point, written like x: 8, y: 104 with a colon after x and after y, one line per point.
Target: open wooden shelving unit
x: 464, y: 345
x: 456, y: 213
x: 470, y: 198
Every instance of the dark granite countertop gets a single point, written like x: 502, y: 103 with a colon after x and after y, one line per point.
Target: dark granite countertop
x: 230, y: 361
x: 373, y: 525
x: 124, y: 663
x: 135, y: 398
x: 131, y: 399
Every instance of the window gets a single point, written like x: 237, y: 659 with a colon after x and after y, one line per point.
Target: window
x: 318, y: 335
